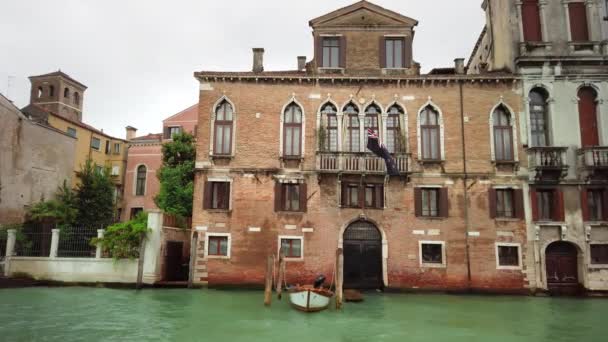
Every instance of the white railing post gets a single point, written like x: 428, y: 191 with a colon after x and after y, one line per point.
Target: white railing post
x: 151, y: 252
x: 54, y: 243
x: 10, y: 249
x: 98, y: 249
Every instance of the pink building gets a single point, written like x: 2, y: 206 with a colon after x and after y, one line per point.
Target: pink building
x: 144, y: 159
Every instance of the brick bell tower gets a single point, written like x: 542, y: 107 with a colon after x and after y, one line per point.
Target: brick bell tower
x: 58, y: 93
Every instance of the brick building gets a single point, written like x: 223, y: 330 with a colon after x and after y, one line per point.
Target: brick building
x: 282, y: 163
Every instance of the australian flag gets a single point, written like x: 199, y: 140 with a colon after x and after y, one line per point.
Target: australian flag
x: 374, y: 145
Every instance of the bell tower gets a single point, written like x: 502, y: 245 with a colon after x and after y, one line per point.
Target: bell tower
x: 58, y: 93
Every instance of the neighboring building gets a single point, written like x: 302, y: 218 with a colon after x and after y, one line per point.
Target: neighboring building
x: 62, y: 110
x: 144, y: 159
x: 35, y: 160
x: 282, y: 163
x: 560, y: 49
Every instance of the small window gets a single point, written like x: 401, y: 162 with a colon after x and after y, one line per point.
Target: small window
x: 328, y: 133
x: 350, y: 195
x: 394, y: 52
x: 599, y: 254
x: 140, y: 184
x: 431, y: 202
x: 545, y: 204
x: 363, y: 195
x: 217, y: 195
x: 51, y: 91
x: 107, y: 146
x: 71, y: 132
x: 353, y: 133
x: 115, y: 170
x: 116, y: 148
x: 291, y: 197
x: 98, y: 169
x: 530, y: 18
x: 508, y: 256
x: 66, y: 93
x: 224, y: 120
x: 505, y: 206
x: 331, y: 52
x: 595, y: 204
x: 292, y: 131
x: 432, y: 253
x: 430, y: 134
x: 291, y: 247
x: 539, y: 117
x: 503, y: 135
x: 76, y: 98
x: 577, y: 14
x: 96, y: 143
x: 135, y: 211
x: 39, y: 94
x: 174, y: 130
x: 218, y: 246
x: 395, y: 141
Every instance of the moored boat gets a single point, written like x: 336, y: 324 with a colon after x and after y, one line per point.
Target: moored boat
x: 309, y: 299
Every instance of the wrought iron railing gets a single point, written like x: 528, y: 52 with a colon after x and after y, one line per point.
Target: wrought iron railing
x: 593, y: 157
x: 359, y: 162
x: 550, y: 158
x: 75, y: 242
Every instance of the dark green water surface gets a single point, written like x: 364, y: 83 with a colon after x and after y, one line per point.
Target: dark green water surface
x: 97, y: 314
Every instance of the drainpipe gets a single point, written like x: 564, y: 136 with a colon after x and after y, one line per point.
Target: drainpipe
x: 467, y: 221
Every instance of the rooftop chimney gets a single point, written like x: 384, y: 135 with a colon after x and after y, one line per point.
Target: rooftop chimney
x: 258, y: 59
x: 459, y: 66
x: 130, y: 132
x: 301, y: 63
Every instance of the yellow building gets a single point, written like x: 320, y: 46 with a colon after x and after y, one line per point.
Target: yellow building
x: 56, y: 100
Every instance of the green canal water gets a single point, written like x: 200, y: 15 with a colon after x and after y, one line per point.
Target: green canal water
x: 97, y: 314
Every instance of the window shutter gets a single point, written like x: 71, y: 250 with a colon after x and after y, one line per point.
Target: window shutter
x: 558, y: 211
x: 492, y: 204
x: 319, y: 51
x: 382, y: 52
x: 207, y: 194
x: 407, y: 52
x: 343, y: 194
x: 303, y: 197
x: 530, y: 16
x: 227, y: 196
x: 443, y: 202
x: 277, y: 196
x: 342, y: 51
x: 578, y: 21
x: 534, y: 204
x: 518, y: 202
x: 584, y: 204
x: 604, y: 204
x: 418, y: 201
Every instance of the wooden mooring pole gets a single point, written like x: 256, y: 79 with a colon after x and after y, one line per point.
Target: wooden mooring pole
x: 140, y: 264
x: 268, y: 281
x: 339, y: 277
x: 281, y: 275
x: 192, y: 264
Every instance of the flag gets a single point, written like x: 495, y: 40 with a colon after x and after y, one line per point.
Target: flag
x: 373, y: 144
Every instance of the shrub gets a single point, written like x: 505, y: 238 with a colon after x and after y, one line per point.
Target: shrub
x: 122, y: 240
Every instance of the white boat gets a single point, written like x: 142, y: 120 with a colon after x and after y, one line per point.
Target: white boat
x: 308, y: 299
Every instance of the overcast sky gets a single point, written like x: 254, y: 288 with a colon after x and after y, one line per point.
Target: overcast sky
x: 137, y: 57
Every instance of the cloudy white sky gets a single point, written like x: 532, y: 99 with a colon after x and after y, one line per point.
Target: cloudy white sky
x: 137, y: 57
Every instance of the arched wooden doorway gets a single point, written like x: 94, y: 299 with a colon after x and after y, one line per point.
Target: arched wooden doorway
x: 562, y: 268
x: 362, y: 244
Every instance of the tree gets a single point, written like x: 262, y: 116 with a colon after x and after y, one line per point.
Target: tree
x: 122, y: 240
x: 61, y: 210
x: 176, y: 176
x: 94, y: 196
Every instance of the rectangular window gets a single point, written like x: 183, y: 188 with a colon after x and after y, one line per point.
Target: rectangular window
x: 394, y: 52
x: 331, y: 52
x: 595, y: 204
x: 115, y: 170
x: 135, y: 211
x: 430, y: 202
x: 217, y: 246
x: 577, y: 13
x: 107, y: 146
x: 220, y: 195
x: 432, y: 253
x: 71, y: 132
x: 174, y: 130
x: 116, y: 148
x: 545, y: 204
x: 530, y: 17
x: 366, y: 195
x: 599, y: 254
x: 291, y: 246
x: 96, y: 143
x: 508, y: 256
x: 505, y: 206
x: 290, y: 197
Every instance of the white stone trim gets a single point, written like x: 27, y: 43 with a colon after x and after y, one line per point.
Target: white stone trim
x: 548, y: 88
x: 291, y: 100
x: 294, y: 237
x: 443, y: 254
x: 588, y: 261
x: 227, y: 256
x: 384, y: 242
x: 344, y: 123
x: 403, y: 121
x: 430, y: 102
x: 513, y: 120
x: 519, y: 257
x: 222, y: 179
x: 212, y: 128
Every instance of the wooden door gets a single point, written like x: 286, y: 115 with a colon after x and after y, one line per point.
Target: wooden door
x: 587, y: 113
x: 562, y: 268
x: 174, y: 266
x: 362, y: 256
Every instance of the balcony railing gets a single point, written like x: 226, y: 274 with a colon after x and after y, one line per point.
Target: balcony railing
x: 336, y: 162
x: 548, y: 161
x: 593, y: 158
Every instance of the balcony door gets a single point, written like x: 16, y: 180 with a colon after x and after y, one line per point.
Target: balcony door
x: 587, y: 114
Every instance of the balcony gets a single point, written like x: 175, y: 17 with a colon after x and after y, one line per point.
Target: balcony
x: 594, y: 161
x: 348, y: 162
x: 550, y: 163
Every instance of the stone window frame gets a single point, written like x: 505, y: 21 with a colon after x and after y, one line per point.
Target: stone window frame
x: 291, y: 100
x: 430, y: 102
x: 293, y: 237
x: 542, y: 5
x: 550, y: 105
x: 221, y: 179
x: 338, y: 36
x: 403, y: 123
x: 443, y: 263
x: 590, y: 6
x: 497, y: 245
x: 514, y: 140
x: 344, y: 125
x: 404, y: 41
x: 339, y: 127
x: 135, y: 180
x: 599, y: 103
x: 212, y: 129
x: 228, y: 248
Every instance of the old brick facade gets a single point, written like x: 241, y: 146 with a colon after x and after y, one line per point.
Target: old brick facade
x: 249, y: 156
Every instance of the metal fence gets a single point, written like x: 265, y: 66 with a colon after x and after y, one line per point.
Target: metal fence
x: 75, y: 242
x: 33, y: 244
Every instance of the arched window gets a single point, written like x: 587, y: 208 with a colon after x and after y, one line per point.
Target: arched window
x: 224, y: 117
x: 503, y: 134
x: 430, y: 134
x: 292, y: 131
x: 587, y: 114
x: 51, y: 91
x: 394, y: 140
x: 538, y: 118
x: 351, y: 116
x: 39, y: 92
x: 140, y: 184
x: 76, y: 98
x: 66, y: 93
x: 372, y: 114
x: 329, y: 125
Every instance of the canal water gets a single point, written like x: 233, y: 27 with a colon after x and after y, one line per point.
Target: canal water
x: 98, y: 314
